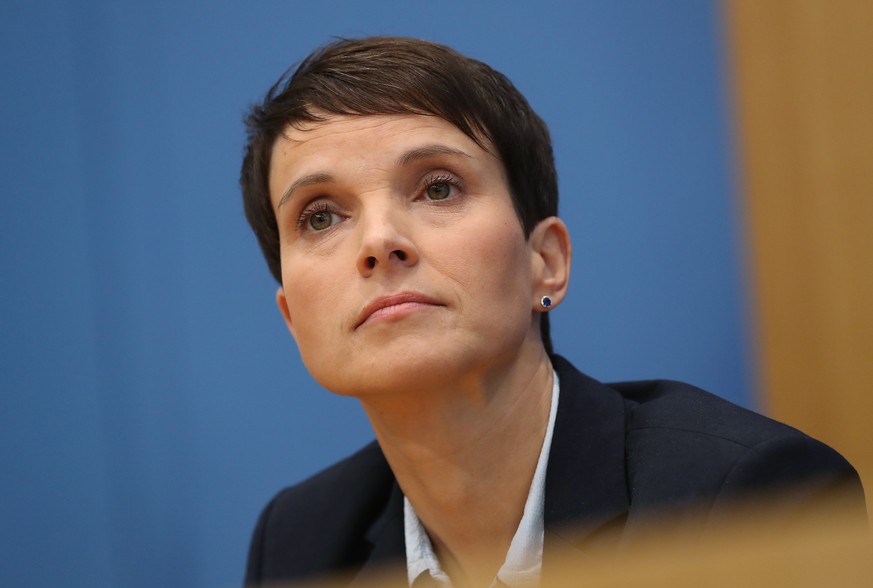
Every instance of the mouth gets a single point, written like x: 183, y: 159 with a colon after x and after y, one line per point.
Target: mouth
x: 394, y: 306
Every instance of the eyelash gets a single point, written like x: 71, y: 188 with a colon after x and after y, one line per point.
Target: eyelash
x: 326, y: 207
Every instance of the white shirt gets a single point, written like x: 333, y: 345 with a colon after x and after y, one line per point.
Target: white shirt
x: 524, y: 560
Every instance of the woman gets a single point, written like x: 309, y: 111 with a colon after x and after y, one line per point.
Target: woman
x: 405, y: 198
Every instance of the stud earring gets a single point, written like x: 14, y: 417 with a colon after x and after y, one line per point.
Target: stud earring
x: 546, y: 302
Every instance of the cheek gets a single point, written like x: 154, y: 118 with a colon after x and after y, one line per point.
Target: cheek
x: 491, y: 263
x: 508, y: 263
x: 312, y: 297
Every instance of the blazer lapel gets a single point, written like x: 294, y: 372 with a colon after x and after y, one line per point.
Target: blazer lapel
x: 586, y: 496
x: 386, y: 565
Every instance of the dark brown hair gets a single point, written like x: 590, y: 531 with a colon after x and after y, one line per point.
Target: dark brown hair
x: 397, y: 75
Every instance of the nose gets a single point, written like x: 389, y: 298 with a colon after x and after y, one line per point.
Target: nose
x: 385, y: 242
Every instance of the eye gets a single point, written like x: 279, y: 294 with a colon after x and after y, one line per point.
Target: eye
x: 441, y: 187
x: 318, y: 218
x: 439, y: 191
x: 321, y: 220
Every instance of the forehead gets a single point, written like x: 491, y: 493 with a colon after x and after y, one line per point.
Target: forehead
x: 307, y: 138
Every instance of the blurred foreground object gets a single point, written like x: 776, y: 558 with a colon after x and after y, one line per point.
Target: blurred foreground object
x: 752, y: 548
x: 803, y: 78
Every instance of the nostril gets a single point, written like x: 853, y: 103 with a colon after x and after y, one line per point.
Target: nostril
x: 401, y: 255
x: 371, y: 262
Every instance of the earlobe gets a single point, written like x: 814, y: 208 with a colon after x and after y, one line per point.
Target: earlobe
x: 282, y: 303
x: 552, y: 255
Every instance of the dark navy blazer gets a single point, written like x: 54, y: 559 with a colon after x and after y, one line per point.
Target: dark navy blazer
x: 620, y: 454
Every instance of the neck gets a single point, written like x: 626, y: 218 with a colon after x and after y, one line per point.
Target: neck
x: 465, y: 458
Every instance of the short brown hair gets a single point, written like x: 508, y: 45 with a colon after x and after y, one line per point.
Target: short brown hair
x: 397, y: 75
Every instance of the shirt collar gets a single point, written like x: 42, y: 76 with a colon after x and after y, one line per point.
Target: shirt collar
x: 524, y: 560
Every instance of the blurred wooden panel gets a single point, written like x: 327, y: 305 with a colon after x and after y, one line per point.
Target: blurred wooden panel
x: 752, y: 548
x: 803, y: 88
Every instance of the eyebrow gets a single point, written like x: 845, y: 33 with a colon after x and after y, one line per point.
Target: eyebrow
x: 307, y: 180
x: 429, y: 151
x: 405, y: 159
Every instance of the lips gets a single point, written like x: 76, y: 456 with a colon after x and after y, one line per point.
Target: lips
x: 394, y: 304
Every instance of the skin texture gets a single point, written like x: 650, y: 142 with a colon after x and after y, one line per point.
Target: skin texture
x: 408, y: 283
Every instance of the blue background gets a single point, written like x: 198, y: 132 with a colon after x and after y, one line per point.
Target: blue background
x: 152, y: 400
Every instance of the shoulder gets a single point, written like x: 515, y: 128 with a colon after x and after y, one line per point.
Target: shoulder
x: 667, y: 405
x: 679, y: 445
x: 685, y: 444
x: 320, y: 524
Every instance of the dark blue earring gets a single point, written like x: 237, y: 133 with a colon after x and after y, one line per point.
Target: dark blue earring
x: 546, y: 302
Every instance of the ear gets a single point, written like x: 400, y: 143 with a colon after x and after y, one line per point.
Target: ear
x: 552, y: 253
x: 282, y: 303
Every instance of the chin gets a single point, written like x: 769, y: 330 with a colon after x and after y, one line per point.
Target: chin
x: 391, y: 373
x: 411, y: 360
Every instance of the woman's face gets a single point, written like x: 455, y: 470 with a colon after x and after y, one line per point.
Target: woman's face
x: 404, y: 264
